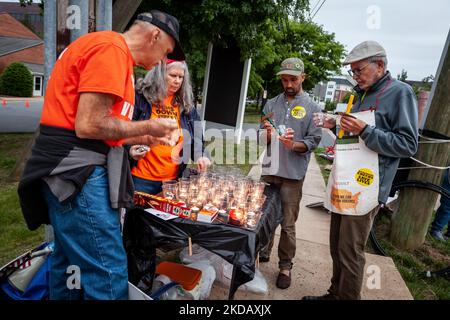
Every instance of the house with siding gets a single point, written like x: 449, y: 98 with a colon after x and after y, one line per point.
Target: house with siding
x: 19, y: 44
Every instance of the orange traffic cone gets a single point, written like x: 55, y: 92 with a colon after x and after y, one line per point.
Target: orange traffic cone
x: 27, y: 104
x: 4, y: 103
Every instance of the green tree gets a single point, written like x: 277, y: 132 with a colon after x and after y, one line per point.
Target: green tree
x: 24, y: 3
x: 16, y: 80
x: 139, y: 72
x: 247, y: 23
x: 318, y: 49
x: 416, y: 90
x: 403, y: 76
x: 330, y: 105
x: 347, y: 97
x: 428, y: 82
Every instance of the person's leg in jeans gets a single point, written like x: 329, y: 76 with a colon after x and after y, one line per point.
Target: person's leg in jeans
x: 442, y: 217
x: 334, y: 245
x: 89, y: 236
x: 291, y: 194
x: 147, y: 186
x: 353, y: 235
x: 59, y: 261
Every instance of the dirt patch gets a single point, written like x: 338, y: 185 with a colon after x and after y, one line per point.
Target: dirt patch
x: 429, y: 252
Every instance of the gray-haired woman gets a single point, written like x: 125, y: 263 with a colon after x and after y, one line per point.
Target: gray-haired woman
x: 166, y: 92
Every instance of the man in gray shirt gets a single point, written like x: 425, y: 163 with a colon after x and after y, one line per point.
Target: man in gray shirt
x: 291, y: 136
x: 394, y: 136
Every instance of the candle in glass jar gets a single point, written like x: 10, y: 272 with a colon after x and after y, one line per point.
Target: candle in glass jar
x: 250, y: 223
x: 250, y: 215
x: 194, y: 213
x: 236, y: 216
x: 182, y: 194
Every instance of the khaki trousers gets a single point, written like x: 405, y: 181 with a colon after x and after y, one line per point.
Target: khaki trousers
x: 291, y: 194
x: 348, y: 238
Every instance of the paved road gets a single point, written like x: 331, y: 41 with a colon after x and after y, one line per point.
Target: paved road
x: 15, y: 116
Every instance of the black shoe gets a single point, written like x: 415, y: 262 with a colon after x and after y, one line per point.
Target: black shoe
x: 283, y: 281
x: 264, y: 259
x: 327, y: 296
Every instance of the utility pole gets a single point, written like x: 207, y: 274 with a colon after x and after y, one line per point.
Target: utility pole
x: 50, y: 31
x: 410, y: 223
x: 50, y: 57
x: 103, y: 15
x: 123, y: 11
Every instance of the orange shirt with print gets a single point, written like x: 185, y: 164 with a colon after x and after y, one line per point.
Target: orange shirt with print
x: 161, y: 162
x: 97, y: 62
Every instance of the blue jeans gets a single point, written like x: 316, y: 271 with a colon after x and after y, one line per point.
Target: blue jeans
x: 147, y: 186
x: 442, y: 217
x: 87, y: 236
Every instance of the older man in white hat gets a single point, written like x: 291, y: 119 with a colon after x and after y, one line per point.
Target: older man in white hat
x: 394, y: 136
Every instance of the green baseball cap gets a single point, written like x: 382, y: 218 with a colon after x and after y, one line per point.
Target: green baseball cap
x: 292, y: 66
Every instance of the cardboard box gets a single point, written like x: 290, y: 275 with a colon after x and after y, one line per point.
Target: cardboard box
x: 146, y: 200
x: 207, y: 214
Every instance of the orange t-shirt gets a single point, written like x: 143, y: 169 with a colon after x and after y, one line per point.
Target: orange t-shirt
x: 161, y: 162
x: 97, y: 62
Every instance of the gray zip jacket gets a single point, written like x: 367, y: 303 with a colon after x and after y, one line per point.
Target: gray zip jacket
x: 396, y: 132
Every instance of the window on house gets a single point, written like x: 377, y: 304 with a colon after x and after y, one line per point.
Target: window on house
x: 37, y: 83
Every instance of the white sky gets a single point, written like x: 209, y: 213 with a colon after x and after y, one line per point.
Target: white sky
x: 413, y: 32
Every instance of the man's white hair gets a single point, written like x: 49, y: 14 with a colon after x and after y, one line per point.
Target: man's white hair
x: 376, y: 59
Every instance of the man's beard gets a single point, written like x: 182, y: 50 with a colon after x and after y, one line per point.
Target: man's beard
x: 290, y: 92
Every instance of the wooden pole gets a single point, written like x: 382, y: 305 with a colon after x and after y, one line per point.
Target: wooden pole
x: 410, y: 224
x: 123, y: 11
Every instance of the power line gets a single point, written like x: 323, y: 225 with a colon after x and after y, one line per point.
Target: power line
x: 313, y: 8
x: 318, y: 9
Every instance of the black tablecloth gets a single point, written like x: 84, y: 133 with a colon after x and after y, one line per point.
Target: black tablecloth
x: 236, y: 245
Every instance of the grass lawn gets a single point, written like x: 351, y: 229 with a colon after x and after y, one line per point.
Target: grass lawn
x: 15, y: 238
x: 432, y: 255
x: 252, y: 115
x: 229, y: 156
x: 322, y: 163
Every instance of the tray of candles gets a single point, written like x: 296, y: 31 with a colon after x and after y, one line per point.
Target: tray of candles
x: 210, y: 198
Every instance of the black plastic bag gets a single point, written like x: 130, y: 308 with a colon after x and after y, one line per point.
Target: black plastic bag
x: 140, y: 246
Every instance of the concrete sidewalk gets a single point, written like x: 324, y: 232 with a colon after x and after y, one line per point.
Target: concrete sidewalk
x: 313, y: 265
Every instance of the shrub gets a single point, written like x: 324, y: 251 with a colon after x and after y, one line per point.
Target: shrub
x: 16, y: 80
x: 330, y: 105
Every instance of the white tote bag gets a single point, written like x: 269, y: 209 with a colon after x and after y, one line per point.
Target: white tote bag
x: 353, y: 184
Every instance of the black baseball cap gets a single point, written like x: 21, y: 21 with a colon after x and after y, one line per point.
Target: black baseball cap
x: 170, y: 25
